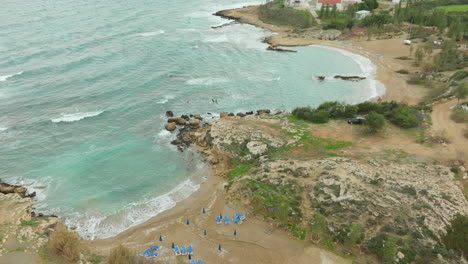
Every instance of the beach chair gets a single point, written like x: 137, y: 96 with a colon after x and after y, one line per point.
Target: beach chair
x: 193, y: 261
x: 146, y: 252
x: 240, y: 216
x: 176, y: 250
x: 218, y: 219
x: 226, y: 220
x: 237, y: 221
x: 200, y: 261
x: 189, y: 249
x: 154, y: 247
x: 182, y: 249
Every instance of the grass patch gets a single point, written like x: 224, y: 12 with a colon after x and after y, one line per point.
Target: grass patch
x: 240, y: 169
x: 281, y: 202
x: 29, y: 223
x: 403, y: 58
x: 297, y: 231
x: 403, y: 71
x: 454, y: 8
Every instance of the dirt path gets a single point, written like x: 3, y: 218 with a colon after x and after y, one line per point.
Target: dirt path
x: 453, y: 131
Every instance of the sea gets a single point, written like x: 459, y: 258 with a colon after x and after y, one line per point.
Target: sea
x: 84, y: 87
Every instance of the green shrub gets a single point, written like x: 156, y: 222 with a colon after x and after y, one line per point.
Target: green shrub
x: 29, y: 223
x: 457, y: 235
x: 404, y: 116
x: 375, y: 121
x: 459, y: 115
x: 459, y: 75
x: 366, y: 107
x: 320, y: 117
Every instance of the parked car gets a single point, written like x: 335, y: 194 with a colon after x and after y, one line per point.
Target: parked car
x: 356, y: 120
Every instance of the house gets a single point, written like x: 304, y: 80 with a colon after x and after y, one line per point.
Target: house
x: 361, y: 14
x: 317, y: 4
x: 321, y: 3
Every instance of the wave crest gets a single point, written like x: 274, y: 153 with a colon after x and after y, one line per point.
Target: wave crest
x: 206, y: 81
x: 5, y: 77
x: 149, y: 34
x: 75, y: 117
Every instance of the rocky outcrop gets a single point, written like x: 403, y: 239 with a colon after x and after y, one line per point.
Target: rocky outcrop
x: 349, y: 78
x: 194, y: 122
x: 169, y: 114
x: 6, y: 188
x: 275, y: 48
x: 177, y: 120
x: 170, y: 126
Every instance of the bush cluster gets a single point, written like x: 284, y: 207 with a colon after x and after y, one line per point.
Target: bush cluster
x: 399, y: 114
x: 64, y: 244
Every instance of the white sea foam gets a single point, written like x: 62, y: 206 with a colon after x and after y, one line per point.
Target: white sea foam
x: 134, y: 214
x: 165, y: 99
x: 75, y: 116
x: 367, y: 69
x: 242, y: 35
x: 3, y: 129
x: 206, y: 81
x: 5, y: 77
x: 150, y: 34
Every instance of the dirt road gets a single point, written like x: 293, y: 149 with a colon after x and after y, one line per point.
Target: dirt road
x: 451, y: 130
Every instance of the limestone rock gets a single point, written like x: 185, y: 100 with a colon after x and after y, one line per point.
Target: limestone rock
x: 194, y: 122
x: 170, y: 126
x: 178, y: 120
x: 256, y: 147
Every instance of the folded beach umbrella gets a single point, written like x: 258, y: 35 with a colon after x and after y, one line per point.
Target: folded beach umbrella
x: 189, y: 256
x: 235, y: 232
x: 172, y: 244
x: 204, y: 210
x: 219, y: 247
x: 188, y: 222
x: 204, y: 232
x: 160, y: 238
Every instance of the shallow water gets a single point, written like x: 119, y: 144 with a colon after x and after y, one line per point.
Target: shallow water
x: 84, y: 86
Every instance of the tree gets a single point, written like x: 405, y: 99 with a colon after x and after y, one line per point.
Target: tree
x: 334, y: 12
x: 461, y: 92
x: 322, y: 11
x: 457, y: 235
x: 418, y: 55
x: 327, y: 12
x: 375, y: 121
x: 456, y: 31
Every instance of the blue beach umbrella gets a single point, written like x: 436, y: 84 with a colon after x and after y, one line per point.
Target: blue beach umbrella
x: 219, y: 247
x: 160, y: 238
x: 204, y: 211
x: 188, y: 222
x: 204, y: 232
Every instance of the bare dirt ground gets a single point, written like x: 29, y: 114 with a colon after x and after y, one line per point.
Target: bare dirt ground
x: 442, y: 124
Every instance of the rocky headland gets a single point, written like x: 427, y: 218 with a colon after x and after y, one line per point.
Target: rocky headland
x: 329, y: 191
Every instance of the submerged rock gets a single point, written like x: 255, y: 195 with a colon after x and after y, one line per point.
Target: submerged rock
x: 169, y: 113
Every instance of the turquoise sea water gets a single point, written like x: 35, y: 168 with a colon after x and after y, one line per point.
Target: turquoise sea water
x: 84, y: 86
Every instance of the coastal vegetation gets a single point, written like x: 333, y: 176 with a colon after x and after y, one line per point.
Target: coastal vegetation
x: 123, y: 255
x: 64, y: 244
x: 276, y: 14
x: 399, y: 114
